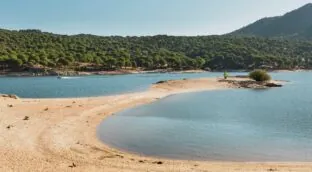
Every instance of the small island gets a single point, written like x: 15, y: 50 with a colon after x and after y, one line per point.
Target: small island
x: 257, y: 79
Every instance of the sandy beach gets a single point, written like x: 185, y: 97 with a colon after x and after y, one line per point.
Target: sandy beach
x: 60, y: 135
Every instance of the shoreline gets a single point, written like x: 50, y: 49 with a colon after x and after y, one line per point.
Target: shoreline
x: 104, y: 73
x: 60, y: 134
x: 129, y: 72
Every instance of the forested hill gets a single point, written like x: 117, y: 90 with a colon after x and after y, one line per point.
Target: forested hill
x: 27, y: 48
x: 296, y: 24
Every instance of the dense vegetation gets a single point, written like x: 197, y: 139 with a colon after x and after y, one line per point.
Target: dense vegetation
x: 259, y: 75
x: 28, y: 48
x: 295, y: 24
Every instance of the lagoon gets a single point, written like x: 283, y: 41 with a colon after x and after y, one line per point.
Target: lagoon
x: 228, y: 125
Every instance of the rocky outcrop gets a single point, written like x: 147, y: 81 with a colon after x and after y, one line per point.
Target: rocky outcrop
x: 161, y: 82
x: 273, y: 85
x: 250, y: 84
x: 12, y: 96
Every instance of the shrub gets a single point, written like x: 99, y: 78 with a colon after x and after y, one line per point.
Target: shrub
x: 259, y: 75
x: 225, y: 75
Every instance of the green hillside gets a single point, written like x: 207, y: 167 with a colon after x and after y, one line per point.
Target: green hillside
x: 20, y: 50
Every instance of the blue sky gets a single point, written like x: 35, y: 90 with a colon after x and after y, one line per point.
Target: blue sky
x: 139, y: 17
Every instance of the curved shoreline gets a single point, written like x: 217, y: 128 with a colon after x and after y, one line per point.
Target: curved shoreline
x: 60, y: 134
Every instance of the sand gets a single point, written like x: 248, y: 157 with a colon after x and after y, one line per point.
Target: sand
x: 60, y: 135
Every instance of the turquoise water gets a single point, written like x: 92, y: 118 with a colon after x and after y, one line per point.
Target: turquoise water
x: 51, y: 87
x: 231, y: 125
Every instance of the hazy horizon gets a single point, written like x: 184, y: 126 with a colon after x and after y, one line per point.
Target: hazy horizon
x: 140, y: 17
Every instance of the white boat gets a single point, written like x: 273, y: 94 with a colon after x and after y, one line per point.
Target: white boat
x: 67, y: 77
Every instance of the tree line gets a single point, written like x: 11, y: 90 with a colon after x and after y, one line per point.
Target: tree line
x: 24, y: 48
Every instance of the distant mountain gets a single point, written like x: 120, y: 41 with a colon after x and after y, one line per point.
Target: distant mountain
x: 295, y: 24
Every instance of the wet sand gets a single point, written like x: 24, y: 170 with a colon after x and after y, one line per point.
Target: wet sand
x: 60, y: 134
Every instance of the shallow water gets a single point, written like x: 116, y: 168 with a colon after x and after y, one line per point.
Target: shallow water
x: 51, y: 87
x: 231, y: 125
